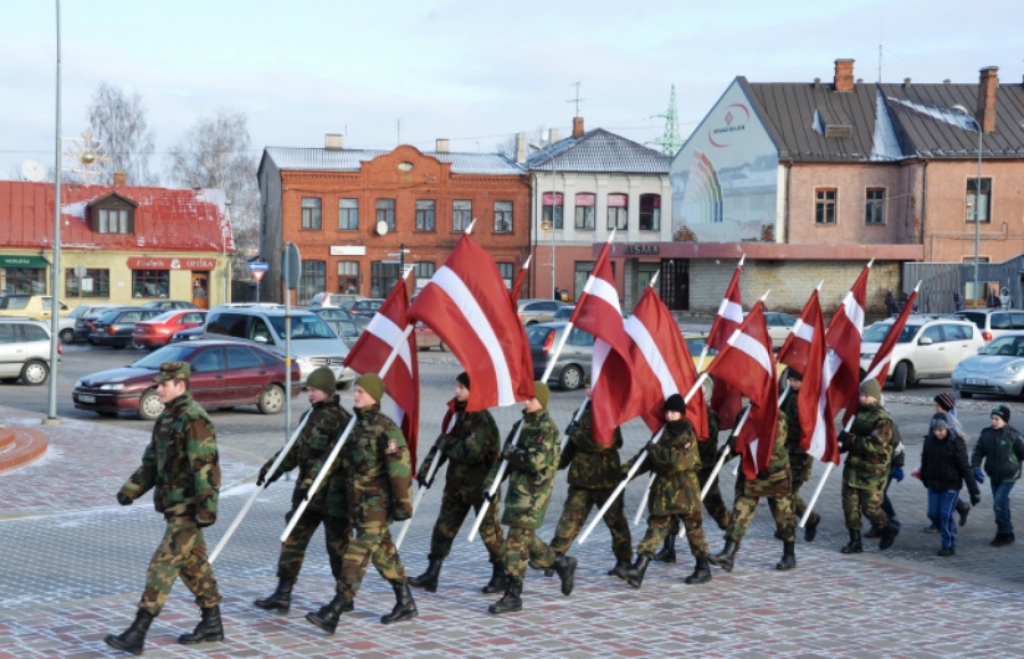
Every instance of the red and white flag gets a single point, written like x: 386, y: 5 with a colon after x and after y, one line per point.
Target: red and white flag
x: 467, y: 305
x: 518, y: 285
x: 882, y: 360
x: 746, y: 364
x: 402, y: 381
x: 662, y: 363
x: 842, y: 367
x: 725, y: 400
x: 614, y: 393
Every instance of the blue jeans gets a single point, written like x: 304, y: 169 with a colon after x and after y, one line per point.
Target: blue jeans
x: 1001, y: 506
x: 941, y: 506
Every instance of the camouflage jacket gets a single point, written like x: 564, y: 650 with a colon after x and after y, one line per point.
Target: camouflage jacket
x: 375, y: 471
x: 708, y: 448
x: 472, y: 449
x: 675, y: 454
x: 327, y: 420
x: 775, y: 480
x: 591, y: 465
x: 532, y: 464
x: 870, y: 448
x: 791, y: 410
x: 181, y: 464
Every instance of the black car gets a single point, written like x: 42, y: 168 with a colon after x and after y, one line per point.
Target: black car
x: 114, y: 328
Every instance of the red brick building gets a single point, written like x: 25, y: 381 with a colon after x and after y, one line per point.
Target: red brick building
x: 350, y: 211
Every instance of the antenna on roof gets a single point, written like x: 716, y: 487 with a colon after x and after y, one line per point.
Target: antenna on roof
x: 881, y: 38
x: 576, y: 100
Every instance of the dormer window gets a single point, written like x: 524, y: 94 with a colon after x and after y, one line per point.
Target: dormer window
x: 113, y: 213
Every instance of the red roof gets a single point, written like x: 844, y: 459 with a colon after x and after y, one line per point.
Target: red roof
x: 165, y: 219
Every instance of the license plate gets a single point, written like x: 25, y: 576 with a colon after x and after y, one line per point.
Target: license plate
x: 87, y: 399
x: 976, y: 381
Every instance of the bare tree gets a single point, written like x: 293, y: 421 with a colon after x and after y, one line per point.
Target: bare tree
x: 118, y: 120
x: 507, y: 147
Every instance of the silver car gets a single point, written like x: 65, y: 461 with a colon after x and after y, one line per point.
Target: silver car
x: 997, y: 369
x: 25, y: 351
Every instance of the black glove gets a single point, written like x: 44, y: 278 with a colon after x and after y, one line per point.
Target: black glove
x: 488, y: 497
x: 572, y: 426
x: 421, y: 478
x: 975, y: 499
x: 845, y: 437
x: 288, y: 515
x: 262, y: 478
x: 124, y: 499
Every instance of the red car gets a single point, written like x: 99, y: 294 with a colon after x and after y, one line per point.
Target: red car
x: 224, y: 374
x: 157, y: 331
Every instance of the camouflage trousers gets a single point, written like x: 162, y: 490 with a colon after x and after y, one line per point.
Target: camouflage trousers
x: 182, y: 553
x: 713, y: 503
x: 743, y: 513
x: 372, y: 543
x: 521, y: 547
x: 293, y: 550
x: 574, y: 516
x: 454, y: 507
x: 866, y: 501
x: 800, y: 465
x: 659, y: 526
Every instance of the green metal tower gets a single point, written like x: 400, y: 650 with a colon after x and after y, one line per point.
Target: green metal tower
x: 671, y: 141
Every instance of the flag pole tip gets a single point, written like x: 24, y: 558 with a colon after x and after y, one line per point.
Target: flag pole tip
x: 820, y: 284
x: 765, y: 296
x: 611, y: 236
x: 871, y: 262
x: 654, y: 278
x: 916, y: 288
x: 526, y: 265
x: 469, y: 229
x: 742, y: 259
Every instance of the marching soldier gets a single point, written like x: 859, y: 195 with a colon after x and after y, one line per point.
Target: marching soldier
x: 675, y: 460
x: 773, y: 484
x: 800, y: 463
x: 181, y: 463
x: 594, y: 472
x: 376, y: 476
x: 869, y: 444
x: 532, y: 463
x: 322, y: 428
x: 472, y: 448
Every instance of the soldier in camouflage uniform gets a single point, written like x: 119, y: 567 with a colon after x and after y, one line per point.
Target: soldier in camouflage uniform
x: 800, y: 463
x: 675, y: 461
x: 773, y: 484
x: 594, y: 472
x: 324, y: 423
x: 181, y: 463
x: 869, y: 444
x: 376, y: 475
x: 472, y: 448
x: 532, y: 464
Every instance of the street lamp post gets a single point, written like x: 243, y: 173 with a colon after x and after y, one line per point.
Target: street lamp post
x: 962, y: 111
x: 51, y: 414
x: 554, y: 199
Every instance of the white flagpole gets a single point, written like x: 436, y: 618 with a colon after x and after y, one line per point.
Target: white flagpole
x: 821, y: 483
x: 435, y: 464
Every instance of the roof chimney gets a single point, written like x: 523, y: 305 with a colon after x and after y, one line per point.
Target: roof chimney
x: 988, y: 84
x: 555, y: 136
x: 577, y: 127
x: 844, y: 75
x: 120, y: 179
x: 906, y: 83
x: 442, y: 145
x: 333, y: 141
x: 520, y: 148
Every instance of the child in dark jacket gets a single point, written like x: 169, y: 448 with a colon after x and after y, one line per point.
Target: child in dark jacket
x: 944, y: 469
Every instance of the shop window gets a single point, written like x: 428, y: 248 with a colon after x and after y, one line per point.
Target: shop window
x: 348, y: 214
x: 507, y: 271
x: 348, y: 276
x: 462, y: 214
x: 585, y: 212
x: 95, y: 283
x: 552, y: 212
x: 383, y: 277
x: 618, y: 211
x: 425, y: 269
x: 503, y: 217
x: 386, y: 212
x: 983, y: 201
x: 650, y: 212
x: 825, y: 205
x: 312, y: 213
x: 313, y: 280
x: 425, y: 211
x: 582, y: 272
x: 26, y: 281
x: 151, y: 283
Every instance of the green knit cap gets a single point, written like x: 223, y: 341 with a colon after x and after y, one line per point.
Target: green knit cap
x: 372, y: 384
x: 871, y: 388
x: 542, y: 393
x: 322, y: 379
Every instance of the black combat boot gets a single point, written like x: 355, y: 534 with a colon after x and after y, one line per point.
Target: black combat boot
x: 512, y: 601
x: 811, y: 529
x: 727, y: 557
x: 788, y: 561
x: 667, y: 554
x: 873, y: 532
x: 962, y: 507
x: 620, y: 569
x: 209, y: 629
x: 405, y: 607
x: 327, y: 617
x: 428, y: 580
x: 854, y: 546
x: 498, y: 582
x: 635, y: 574
x: 565, y: 566
x: 281, y: 600
x: 134, y: 638
x: 889, y: 534
x: 548, y: 571
x: 701, y: 573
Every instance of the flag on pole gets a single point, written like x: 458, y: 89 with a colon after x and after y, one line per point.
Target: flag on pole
x: 518, y: 285
x: 662, y: 363
x: 746, y: 364
x: 882, y: 360
x: 402, y: 381
x: 842, y: 369
x: 467, y: 305
x: 614, y: 393
x: 795, y: 350
x: 725, y: 400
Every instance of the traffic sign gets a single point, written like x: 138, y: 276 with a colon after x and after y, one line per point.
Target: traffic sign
x: 256, y: 266
x: 258, y: 275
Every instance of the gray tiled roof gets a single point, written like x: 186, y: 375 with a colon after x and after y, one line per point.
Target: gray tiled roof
x: 341, y: 160
x: 599, y: 151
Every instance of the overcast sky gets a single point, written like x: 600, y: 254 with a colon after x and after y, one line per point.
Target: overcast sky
x: 472, y: 71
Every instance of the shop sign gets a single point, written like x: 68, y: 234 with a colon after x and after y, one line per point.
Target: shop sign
x: 23, y: 262
x: 642, y: 249
x: 139, y: 263
x: 348, y: 250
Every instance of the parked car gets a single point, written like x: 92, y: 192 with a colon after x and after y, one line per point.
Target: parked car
x: 36, y: 307
x: 427, y: 338
x: 313, y: 342
x: 993, y: 323
x: 193, y: 334
x: 573, y: 363
x: 225, y: 374
x: 536, y: 311
x: 158, y: 330
x: 85, y: 323
x: 366, y: 307
x: 337, y: 313
x: 927, y: 348
x: 169, y: 304
x: 997, y: 369
x: 334, y: 299
x: 25, y: 351
x: 114, y: 328
x: 76, y: 318
x: 346, y: 330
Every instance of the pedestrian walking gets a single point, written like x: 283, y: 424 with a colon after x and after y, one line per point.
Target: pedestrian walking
x: 891, y: 307
x: 944, y: 470
x: 1000, y: 449
x: 946, y: 404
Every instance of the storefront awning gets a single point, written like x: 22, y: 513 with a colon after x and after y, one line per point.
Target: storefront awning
x: 23, y: 262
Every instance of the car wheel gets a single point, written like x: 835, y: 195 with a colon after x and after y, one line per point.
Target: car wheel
x: 966, y: 394
x: 272, y: 399
x: 67, y: 336
x: 443, y: 347
x: 138, y: 346
x: 35, y: 373
x: 571, y: 378
x: 900, y: 376
x: 531, y: 322
x: 150, y: 406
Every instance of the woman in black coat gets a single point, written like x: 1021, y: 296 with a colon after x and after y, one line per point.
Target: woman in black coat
x: 944, y: 469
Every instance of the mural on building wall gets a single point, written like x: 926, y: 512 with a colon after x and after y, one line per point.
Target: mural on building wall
x: 725, y: 178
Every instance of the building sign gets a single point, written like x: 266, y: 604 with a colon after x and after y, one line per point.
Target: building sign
x: 138, y: 263
x: 23, y: 262
x: 348, y: 250
x: 642, y: 249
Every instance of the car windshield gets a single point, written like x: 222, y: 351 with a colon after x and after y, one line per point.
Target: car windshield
x: 164, y: 317
x: 176, y: 353
x: 303, y: 327
x: 15, y: 302
x: 537, y: 335
x: 975, y: 317
x: 877, y: 333
x: 1006, y: 346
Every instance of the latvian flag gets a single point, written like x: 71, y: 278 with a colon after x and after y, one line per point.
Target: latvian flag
x: 725, y: 400
x: 842, y: 367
